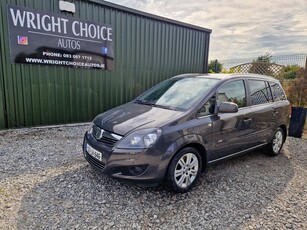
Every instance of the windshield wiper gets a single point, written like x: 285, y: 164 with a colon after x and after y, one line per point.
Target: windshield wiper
x: 165, y: 107
x: 151, y: 103
x: 138, y: 101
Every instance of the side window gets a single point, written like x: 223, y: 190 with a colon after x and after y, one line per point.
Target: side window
x: 207, y: 109
x: 233, y: 91
x: 277, y: 91
x: 260, y: 92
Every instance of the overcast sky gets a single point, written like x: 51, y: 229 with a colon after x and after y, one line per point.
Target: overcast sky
x: 240, y: 28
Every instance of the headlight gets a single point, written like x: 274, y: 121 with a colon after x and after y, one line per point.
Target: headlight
x: 140, y: 139
x: 90, y: 129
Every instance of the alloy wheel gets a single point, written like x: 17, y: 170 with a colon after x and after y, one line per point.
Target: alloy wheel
x: 277, y: 141
x: 186, y: 170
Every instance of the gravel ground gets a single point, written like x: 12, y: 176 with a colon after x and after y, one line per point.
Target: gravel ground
x: 45, y: 183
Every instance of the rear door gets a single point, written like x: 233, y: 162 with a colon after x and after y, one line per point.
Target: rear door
x: 281, y: 107
x: 263, y: 107
x: 232, y: 131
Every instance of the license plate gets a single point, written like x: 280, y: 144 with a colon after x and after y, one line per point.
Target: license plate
x: 93, y: 152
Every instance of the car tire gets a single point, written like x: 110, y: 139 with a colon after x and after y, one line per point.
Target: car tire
x: 184, y: 170
x: 275, y: 146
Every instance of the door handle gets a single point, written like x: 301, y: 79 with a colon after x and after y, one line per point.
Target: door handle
x: 246, y: 120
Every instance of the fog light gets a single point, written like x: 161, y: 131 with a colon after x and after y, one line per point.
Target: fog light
x: 137, y: 170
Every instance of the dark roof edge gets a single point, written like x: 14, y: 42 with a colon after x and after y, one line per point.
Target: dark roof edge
x: 148, y: 15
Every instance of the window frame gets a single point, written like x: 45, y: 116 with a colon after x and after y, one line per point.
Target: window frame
x: 246, y: 84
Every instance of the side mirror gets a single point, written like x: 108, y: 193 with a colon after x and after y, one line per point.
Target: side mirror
x: 228, y: 107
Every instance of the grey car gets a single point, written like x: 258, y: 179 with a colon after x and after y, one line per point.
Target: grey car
x: 171, y: 132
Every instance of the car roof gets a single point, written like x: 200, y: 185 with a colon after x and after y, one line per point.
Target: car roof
x: 228, y: 76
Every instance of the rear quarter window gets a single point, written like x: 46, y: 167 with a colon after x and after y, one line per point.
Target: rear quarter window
x: 277, y: 91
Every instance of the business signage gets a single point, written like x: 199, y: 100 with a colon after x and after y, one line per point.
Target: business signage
x: 38, y: 37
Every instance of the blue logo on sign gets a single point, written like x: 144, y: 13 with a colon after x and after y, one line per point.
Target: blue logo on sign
x: 104, y: 50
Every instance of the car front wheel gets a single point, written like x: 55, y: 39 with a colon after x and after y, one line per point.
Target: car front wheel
x: 184, y: 170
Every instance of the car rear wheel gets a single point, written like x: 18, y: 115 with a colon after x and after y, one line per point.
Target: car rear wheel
x: 275, y: 146
x: 184, y: 170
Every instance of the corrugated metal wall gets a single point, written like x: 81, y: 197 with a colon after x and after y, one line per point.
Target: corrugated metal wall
x: 147, y: 51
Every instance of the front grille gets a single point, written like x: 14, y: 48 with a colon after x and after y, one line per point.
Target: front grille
x: 108, y: 141
x: 107, y: 138
x: 93, y: 161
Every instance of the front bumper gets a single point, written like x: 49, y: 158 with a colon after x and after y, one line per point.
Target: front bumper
x: 138, y: 166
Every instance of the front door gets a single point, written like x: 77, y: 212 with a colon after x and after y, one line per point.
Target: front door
x: 232, y: 131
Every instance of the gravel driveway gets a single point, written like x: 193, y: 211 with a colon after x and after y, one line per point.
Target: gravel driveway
x: 45, y: 183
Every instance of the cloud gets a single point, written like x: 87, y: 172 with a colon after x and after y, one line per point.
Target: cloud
x: 240, y: 28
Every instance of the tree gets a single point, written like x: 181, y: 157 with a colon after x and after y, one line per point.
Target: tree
x: 291, y: 70
x: 262, y: 64
x: 267, y: 58
x: 215, y: 66
x: 297, y: 91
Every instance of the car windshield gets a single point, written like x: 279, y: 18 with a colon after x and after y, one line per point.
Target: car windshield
x: 177, y: 93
